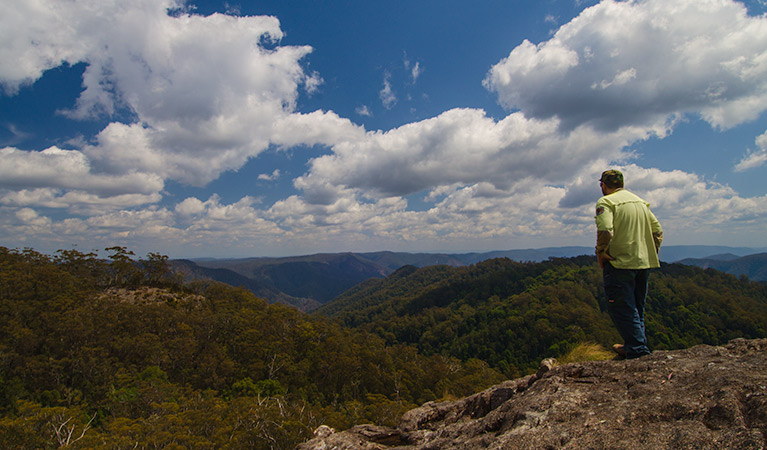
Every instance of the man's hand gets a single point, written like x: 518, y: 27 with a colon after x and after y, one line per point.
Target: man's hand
x: 603, y: 243
x: 657, y: 238
x: 602, y: 258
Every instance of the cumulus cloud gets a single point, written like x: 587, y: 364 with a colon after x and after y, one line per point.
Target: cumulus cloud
x: 190, y: 207
x: 76, y: 202
x: 206, y: 92
x: 755, y: 158
x: 585, y: 96
x: 318, y: 127
x: 461, y: 146
x: 691, y: 205
x: 17, y: 34
x: 312, y: 82
x: 68, y: 169
x: 210, y: 93
x: 480, y: 212
x: 642, y: 63
x: 30, y: 217
x: 213, y: 222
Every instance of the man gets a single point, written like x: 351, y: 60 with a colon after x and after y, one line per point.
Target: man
x: 628, y: 239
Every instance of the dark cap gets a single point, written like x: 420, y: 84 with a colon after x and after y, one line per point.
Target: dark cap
x: 612, y: 178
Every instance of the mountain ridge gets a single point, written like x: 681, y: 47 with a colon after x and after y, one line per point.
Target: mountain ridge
x: 753, y: 266
x: 309, y: 281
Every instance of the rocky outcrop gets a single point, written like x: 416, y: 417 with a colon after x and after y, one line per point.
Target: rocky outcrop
x: 700, y: 398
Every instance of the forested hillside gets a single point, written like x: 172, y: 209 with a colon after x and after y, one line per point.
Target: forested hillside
x: 511, y: 314
x: 117, y: 354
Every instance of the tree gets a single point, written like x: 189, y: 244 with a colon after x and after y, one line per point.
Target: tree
x: 122, y: 270
x: 85, y: 267
x: 157, y: 271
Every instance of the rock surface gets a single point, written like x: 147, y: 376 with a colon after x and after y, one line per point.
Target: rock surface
x: 700, y: 398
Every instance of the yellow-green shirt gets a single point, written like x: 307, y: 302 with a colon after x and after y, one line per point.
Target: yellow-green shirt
x: 632, y: 224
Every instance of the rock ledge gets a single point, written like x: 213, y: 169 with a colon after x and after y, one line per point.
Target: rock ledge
x: 703, y: 397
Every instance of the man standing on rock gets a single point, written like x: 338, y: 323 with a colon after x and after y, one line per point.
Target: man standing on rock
x: 628, y: 239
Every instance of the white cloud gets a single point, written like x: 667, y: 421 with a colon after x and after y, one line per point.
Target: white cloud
x: 459, y: 146
x: 205, y: 90
x: 416, y: 71
x: 210, y: 93
x: 190, y: 207
x: 76, y: 202
x: 127, y: 223
x: 462, y: 217
x: 214, y: 224
x: 318, y: 127
x: 30, y: 218
x: 38, y: 22
x: 270, y: 176
x: 212, y: 215
x: 386, y: 94
x: 68, y: 169
x: 642, y: 63
x: 756, y: 158
x: 363, y: 110
x: 690, y: 206
x: 313, y: 82
x: 532, y: 213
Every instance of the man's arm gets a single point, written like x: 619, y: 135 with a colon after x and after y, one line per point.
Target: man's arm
x: 604, y: 220
x: 603, y: 243
x: 657, y: 232
x: 657, y: 237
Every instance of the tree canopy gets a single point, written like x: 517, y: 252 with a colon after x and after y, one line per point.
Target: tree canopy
x: 513, y: 314
x: 116, y: 352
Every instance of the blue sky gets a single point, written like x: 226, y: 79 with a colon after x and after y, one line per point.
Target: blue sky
x: 272, y: 128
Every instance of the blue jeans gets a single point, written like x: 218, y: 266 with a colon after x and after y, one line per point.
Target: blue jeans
x: 626, y: 291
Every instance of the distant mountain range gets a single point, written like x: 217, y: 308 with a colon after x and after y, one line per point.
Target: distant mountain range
x: 307, y: 282
x: 259, y: 285
x: 752, y: 266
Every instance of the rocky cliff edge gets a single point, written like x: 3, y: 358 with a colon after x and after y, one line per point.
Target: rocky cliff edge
x: 703, y: 397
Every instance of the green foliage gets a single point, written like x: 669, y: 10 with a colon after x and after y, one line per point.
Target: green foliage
x: 116, y: 353
x: 110, y: 353
x: 511, y: 315
x: 695, y: 306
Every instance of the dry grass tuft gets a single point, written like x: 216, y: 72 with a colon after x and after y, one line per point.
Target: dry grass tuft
x: 586, y: 351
